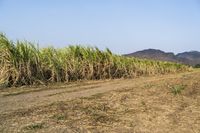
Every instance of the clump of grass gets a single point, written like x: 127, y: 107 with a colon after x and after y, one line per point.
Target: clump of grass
x: 59, y: 117
x: 177, y: 89
x: 143, y: 103
x: 148, y: 86
x: 101, y: 117
x: 34, y: 126
x: 24, y: 63
x: 99, y: 113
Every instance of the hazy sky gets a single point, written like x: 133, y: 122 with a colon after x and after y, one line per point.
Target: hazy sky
x: 124, y: 26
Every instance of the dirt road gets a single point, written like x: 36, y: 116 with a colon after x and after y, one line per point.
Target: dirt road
x: 11, y: 101
x: 168, y: 103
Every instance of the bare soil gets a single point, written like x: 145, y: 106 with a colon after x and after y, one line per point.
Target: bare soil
x: 158, y: 104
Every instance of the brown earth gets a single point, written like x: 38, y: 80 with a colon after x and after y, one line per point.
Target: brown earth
x: 160, y: 104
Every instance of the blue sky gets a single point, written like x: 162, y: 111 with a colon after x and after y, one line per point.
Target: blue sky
x: 123, y: 26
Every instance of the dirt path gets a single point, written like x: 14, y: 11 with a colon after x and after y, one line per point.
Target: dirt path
x: 142, y: 105
x: 43, y: 97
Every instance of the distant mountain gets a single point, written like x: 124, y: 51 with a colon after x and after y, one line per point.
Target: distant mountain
x: 189, y: 58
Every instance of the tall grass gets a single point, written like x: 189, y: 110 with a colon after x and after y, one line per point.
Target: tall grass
x: 22, y: 63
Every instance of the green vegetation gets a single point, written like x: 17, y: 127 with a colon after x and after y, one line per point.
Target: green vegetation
x: 34, y: 126
x: 23, y: 63
x: 59, y: 117
x: 177, y: 89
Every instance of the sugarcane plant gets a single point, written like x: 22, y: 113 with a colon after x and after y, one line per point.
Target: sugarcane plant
x: 24, y: 63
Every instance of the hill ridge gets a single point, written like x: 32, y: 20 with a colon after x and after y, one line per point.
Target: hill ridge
x: 188, y: 57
